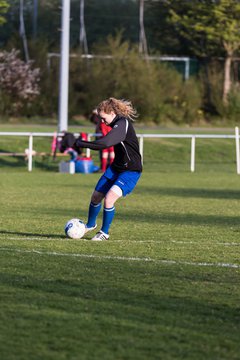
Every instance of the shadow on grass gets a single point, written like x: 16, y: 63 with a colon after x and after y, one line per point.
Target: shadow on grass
x: 192, y: 193
x: 181, y: 219
x: 15, y: 162
x: 139, y: 216
x: 20, y: 162
x: 32, y: 234
x: 126, y: 302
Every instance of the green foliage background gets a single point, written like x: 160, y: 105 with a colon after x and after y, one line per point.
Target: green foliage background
x: 158, y: 92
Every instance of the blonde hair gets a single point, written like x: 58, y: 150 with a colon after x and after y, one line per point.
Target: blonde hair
x: 119, y: 107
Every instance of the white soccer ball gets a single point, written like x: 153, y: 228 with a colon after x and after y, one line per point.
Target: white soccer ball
x: 75, y: 229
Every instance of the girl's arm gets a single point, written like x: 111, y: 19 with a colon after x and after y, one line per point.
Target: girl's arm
x: 115, y: 136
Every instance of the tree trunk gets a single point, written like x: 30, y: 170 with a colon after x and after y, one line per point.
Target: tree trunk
x: 227, y: 79
x: 22, y: 30
x: 35, y: 18
x: 142, y: 37
x: 82, y: 35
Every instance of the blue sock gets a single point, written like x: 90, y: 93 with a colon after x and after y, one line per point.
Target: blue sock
x: 108, y: 215
x: 93, y: 212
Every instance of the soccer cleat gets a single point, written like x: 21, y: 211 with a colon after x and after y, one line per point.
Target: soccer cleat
x: 100, y: 236
x: 87, y: 229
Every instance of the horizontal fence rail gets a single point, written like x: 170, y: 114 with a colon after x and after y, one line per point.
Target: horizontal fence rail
x: 141, y: 137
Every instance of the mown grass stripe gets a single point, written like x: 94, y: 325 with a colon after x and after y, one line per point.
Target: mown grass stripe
x: 180, y: 242
x: 123, y: 258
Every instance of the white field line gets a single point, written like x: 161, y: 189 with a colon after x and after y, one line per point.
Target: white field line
x: 123, y: 258
x: 131, y: 241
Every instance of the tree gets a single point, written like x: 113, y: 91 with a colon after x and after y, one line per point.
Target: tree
x: 43, y: 21
x: 209, y: 26
x: 3, y: 9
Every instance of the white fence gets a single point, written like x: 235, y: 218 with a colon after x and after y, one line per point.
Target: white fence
x: 141, y: 137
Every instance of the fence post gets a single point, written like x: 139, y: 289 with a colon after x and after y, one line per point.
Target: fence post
x: 193, y: 153
x: 88, y: 150
x: 30, y: 149
x: 237, y: 149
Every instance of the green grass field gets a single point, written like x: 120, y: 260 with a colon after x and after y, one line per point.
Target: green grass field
x: 165, y: 286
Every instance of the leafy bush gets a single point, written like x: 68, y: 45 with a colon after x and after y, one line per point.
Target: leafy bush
x: 46, y: 104
x: 230, y: 112
x: 158, y: 92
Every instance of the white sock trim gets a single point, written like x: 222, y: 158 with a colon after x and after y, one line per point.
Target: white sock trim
x: 109, y: 209
x: 95, y: 205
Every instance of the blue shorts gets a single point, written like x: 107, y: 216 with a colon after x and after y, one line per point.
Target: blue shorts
x: 126, y: 180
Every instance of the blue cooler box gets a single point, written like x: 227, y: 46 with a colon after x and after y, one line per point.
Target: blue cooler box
x: 85, y: 165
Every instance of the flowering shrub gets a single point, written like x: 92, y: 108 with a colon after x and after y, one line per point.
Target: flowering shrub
x: 18, y: 82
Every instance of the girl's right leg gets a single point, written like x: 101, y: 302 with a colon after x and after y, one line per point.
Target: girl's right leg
x: 94, y: 209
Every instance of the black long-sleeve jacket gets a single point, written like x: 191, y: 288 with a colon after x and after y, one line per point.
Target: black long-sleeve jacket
x: 125, y: 142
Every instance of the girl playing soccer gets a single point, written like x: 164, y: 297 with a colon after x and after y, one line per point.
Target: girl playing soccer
x: 122, y: 175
